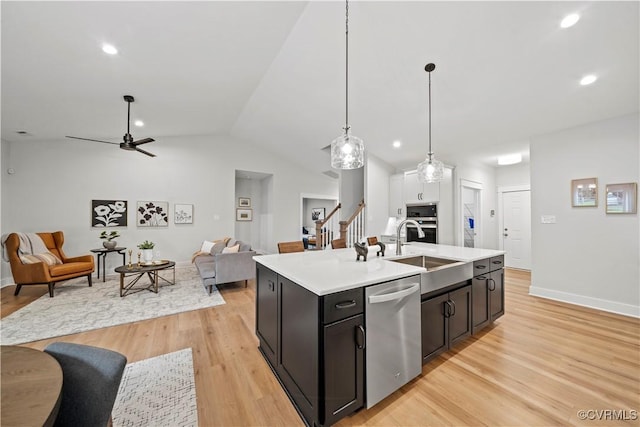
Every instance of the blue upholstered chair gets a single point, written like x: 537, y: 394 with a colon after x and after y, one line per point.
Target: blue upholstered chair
x: 90, y: 380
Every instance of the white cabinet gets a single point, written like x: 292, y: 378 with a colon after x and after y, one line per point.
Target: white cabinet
x: 397, y: 206
x: 419, y: 192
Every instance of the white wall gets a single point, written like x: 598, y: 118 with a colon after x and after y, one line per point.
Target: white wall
x: 587, y: 257
x: 249, y: 231
x: 512, y: 175
x: 377, y: 195
x: 55, y: 182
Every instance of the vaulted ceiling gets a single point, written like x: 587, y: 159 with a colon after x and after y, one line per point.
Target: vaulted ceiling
x: 273, y: 73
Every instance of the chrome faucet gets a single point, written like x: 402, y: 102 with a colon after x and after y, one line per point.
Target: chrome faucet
x: 398, y: 243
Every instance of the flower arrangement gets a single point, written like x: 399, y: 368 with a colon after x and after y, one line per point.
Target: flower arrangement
x: 109, y: 236
x: 146, y: 245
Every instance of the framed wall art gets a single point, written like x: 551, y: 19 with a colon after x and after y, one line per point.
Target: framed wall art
x: 152, y: 214
x: 622, y: 198
x: 244, y: 202
x: 182, y: 213
x: 108, y: 213
x: 317, y: 214
x: 584, y: 192
x: 244, y: 214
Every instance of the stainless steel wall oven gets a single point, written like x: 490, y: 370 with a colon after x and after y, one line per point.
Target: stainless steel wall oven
x: 427, y: 216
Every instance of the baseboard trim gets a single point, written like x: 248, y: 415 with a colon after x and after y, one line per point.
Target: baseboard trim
x: 585, y: 301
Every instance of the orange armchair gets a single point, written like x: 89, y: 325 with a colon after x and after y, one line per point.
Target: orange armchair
x: 41, y: 273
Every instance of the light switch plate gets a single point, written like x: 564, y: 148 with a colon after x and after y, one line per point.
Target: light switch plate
x: 548, y: 219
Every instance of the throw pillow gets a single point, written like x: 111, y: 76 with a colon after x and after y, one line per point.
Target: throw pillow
x: 217, y: 248
x: 206, y: 246
x: 48, y: 258
x: 231, y: 249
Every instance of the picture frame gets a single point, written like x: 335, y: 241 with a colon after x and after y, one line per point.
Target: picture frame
x: 152, y: 214
x: 108, y: 213
x: 244, y: 214
x: 584, y: 192
x: 244, y: 202
x: 183, y: 213
x: 622, y: 198
x: 317, y: 214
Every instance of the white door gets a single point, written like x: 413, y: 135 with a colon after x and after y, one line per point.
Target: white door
x: 516, y: 232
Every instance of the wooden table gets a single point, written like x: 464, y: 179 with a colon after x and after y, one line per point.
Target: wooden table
x: 139, y: 271
x: 31, y: 387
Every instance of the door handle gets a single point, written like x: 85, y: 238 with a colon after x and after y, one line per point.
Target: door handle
x: 361, y: 337
x: 505, y: 235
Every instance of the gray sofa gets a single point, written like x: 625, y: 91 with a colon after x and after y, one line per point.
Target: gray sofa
x: 217, y: 268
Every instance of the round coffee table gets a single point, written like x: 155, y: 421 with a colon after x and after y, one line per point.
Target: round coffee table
x: 31, y: 386
x: 137, y: 272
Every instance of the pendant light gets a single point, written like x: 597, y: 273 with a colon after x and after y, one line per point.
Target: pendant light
x: 431, y: 170
x: 347, y: 151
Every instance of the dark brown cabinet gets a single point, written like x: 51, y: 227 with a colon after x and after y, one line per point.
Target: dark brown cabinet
x: 314, y: 344
x: 446, y: 320
x: 487, y: 291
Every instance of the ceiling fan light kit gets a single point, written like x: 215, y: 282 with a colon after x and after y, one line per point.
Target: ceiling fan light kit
x: 347, y: 151
x: 129, y: 144
x: 431, y: 170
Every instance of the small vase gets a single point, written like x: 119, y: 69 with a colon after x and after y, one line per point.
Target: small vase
x: 109, y: 244
x: 147, y: 255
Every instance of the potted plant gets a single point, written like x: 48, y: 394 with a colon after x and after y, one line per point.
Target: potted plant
x: 147, y: 250
x: 108, y: 242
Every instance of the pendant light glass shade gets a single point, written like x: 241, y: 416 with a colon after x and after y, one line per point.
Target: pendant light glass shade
x: 347, y: 151
x: 431, y: 170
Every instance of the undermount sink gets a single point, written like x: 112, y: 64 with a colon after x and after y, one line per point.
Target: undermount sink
x: 430, y: 263
x: 440, y: 272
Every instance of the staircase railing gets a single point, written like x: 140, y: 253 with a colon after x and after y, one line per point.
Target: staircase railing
x: 327, y: 229
x: 352, y: 230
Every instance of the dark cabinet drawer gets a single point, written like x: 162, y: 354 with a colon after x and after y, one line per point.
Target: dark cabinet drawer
x: 481, y: 266
x: 342, y: 305
x: 496, y: 263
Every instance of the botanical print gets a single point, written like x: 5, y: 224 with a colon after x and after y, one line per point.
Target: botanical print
x: 153, y: 214
x: 183, y: 214
x: 108, y: 213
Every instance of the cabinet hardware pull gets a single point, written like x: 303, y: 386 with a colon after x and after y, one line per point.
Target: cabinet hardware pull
x: 361, y: 337
x: 271, y: 285
x: 453, y: 305
x: 496, y: 262
x: 494, y: 285
x: 481, y: 278
x: 481, y: 267
x: 374, y: 299
x: 447, y: 310
x: 346, y: 304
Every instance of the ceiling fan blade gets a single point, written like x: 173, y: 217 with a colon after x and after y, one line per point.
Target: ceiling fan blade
x: 94, y: 140
x: 145, y: 152
x: 142, y: 141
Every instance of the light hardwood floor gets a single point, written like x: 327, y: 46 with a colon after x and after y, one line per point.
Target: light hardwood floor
x: 540, y: 364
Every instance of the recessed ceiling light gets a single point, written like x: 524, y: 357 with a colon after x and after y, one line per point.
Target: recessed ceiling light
x: 570, y: 20
x: 139, y: 123
x: 397, y: 144
x: 588, y: 79
x: 110, y: 49
x: 510, y: 159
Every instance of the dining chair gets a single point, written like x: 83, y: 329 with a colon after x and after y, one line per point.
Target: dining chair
x: 372, y: 241
x: 339, y: 243
x: 289, y: 247
x: 90, y: 380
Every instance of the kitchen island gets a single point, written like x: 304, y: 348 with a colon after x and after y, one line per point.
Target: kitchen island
x: 315, y: 322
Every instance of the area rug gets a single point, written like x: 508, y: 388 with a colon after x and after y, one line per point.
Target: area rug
x: 77, y: 307
x: 160, y: 391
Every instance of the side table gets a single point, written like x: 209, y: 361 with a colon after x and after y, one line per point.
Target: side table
x: 102, y: 253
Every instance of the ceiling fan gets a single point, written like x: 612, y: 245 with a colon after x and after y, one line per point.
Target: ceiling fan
x: 129, y: 144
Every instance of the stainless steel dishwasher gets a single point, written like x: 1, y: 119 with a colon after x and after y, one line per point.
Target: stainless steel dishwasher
x: 394, y: 348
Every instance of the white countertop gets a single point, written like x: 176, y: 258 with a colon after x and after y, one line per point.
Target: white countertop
x: 334, y: 270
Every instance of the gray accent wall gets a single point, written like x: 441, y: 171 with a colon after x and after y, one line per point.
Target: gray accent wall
x: 587, y: 257
x: 54, y: 183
